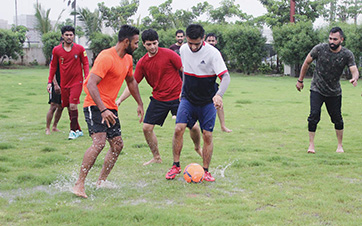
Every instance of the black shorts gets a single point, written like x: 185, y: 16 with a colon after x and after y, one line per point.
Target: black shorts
x: 54, y: 97
x: 157, y: 111
x: 94, y: 120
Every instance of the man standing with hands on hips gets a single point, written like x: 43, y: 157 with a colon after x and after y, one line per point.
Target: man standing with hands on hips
x: 331, y: 59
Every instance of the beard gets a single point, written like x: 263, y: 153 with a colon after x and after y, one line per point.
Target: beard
x: 334, y: 46
x: 129, y: 49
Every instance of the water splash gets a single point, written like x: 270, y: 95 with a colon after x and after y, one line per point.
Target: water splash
x: 220, y: 170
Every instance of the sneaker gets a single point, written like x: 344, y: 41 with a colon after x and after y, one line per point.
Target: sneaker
x: 171, y: 174
x: 208, y: 177
x: 72, y: 135
x: 79, y: 133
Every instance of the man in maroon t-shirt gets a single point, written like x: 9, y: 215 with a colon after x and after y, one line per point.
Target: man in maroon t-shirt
x: 160, y: 67
x: 72, y: 60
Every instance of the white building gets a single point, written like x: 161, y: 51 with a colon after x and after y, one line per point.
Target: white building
x: 4, y: 24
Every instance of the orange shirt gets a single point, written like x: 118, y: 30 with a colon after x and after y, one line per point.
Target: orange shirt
x: 113, y: 70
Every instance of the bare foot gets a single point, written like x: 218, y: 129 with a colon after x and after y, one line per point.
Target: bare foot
x: 227, y: 130
x: 340, y: 150
x: 55, y: 130
x: 79, y: 191
x: 311, y: 151
x: 199, y: 151
x: 153, y: 160
x: 47, y: 131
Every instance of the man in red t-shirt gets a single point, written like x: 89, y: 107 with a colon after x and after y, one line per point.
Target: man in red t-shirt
x: 72, y: 60
x: 160, y: 67
x: 111, y: 68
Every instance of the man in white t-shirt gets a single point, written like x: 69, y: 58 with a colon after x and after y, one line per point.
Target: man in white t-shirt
x: 200, y: 97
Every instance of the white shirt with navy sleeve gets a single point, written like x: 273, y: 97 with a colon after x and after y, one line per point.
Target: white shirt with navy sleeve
x: 201, y: 69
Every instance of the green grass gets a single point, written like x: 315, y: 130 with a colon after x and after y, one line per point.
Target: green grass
x: 263, y: 174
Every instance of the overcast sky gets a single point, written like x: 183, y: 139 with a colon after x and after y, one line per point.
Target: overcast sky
x: 7, y: 9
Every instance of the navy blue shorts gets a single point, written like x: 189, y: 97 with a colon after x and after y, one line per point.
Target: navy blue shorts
x: 157, y: 111
x: 94, y: 120
x: 189, y: 114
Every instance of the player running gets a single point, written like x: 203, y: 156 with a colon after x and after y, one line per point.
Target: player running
x: 111, y: 68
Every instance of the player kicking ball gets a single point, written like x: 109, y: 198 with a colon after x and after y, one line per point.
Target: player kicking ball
x: 202, y: 64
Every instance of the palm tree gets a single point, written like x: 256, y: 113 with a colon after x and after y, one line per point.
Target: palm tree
x: 43, y: 20
x: 92, y: 21
x: 73, y: 5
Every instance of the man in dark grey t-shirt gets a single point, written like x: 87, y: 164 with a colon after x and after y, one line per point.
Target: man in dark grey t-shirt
x: 331, y: 59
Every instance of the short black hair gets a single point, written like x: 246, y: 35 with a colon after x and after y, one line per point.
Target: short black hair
x: 67, y: 28
x: 195, y: 31
x: 149, y: 35
x: 211, y: 35
x: 180, y: 31
x: 127, y: 31
x: 339, y: 30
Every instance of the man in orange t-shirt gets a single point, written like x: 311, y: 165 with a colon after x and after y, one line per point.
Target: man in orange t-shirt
x: 110, y: 69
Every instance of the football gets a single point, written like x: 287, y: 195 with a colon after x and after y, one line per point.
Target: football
x: 194, y: 173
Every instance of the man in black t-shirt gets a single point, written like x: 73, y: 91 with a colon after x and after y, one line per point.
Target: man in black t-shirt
x: 331, y: 59
x: 180, y: 37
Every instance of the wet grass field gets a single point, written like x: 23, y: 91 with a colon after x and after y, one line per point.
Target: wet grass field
x: 263, y: 173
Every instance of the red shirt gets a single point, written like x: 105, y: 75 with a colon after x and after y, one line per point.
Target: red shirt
x: 113, y: 70
x: 70, y: 64
x: 162, y: 74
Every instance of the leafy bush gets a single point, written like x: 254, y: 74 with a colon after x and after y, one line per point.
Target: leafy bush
x: 34, y: 63
x: 264, y: 68
x: 50, y: 40
x: 10, y: 45
x: 99, y: 42
x: 244, y: 47
x: 294, y: 41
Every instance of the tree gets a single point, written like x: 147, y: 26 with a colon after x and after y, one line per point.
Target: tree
x: 293, y: 42
x: 73, y: 5
x: 343, y: 10
x: 42, y: 16
x: 115, y: 17
x: 161, y: 17
x: 49, y: 40
x: 43, y: 20
x: 228, y: 9
x: 99, y: 42
x: 279, y: 11
x: 92, y: 21
x: 20, y: 31
x: 182, y: 18
x: 244, y: 47
x: 10, y: 46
